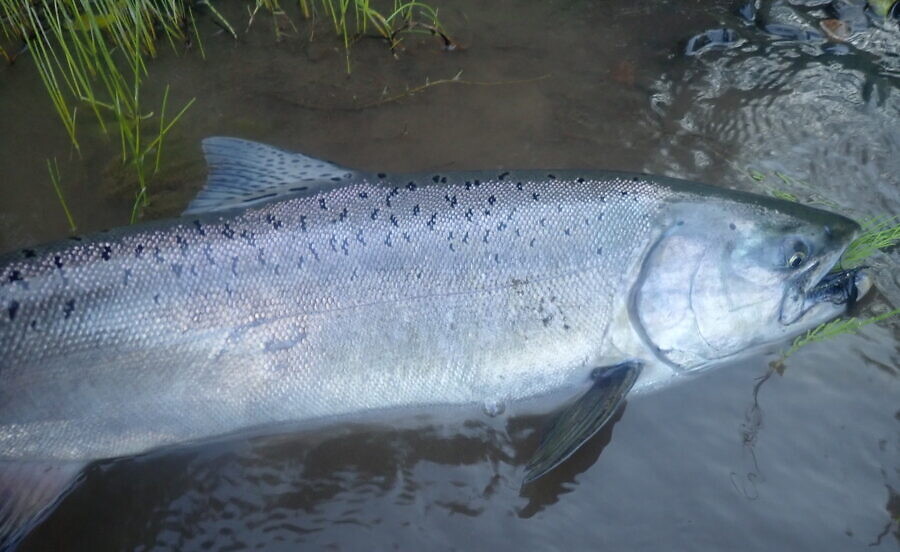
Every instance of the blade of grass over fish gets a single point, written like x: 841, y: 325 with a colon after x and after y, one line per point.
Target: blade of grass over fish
x: 877, y: 234
x: 53, y: 169
x: 835, y: 328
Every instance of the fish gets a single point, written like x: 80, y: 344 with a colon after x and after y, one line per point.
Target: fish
x: 293, y: 289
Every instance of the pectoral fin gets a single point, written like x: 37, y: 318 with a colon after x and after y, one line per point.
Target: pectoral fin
x: 582, y: 419
x: 28, y: 492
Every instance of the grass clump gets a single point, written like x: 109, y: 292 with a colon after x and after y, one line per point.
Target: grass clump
x: 92, y: 56
x: 877, y: 234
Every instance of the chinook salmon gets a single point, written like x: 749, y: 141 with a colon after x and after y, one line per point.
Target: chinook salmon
x: 293, y: 289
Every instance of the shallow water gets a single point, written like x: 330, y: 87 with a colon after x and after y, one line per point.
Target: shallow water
x: 812, y: 463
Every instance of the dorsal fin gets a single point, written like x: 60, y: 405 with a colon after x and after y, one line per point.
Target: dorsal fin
x: 244, y: 173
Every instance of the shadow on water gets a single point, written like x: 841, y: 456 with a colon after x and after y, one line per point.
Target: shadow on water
x: 280, y: 489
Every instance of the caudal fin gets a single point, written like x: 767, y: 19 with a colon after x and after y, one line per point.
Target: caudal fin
x: 28, y: 492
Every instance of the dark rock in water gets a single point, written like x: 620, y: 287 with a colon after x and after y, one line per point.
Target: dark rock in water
x: 792, y: 32
x: 894, y: 12
x: 748, y: 11
x: 711, y: 39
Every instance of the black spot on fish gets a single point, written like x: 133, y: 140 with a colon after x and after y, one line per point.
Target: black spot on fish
x: 469, y: 214
x: 248, y: 237
x: 68, y: 308
x: 381, y: 175
x: 343, y: 216
x: 105, y: 252
x: 431, y: 221
x: 345, y: 246
x: 261, y: 257
x: 33, y: 325
x: 257, y: 198
x: 406, y: 236
x: 501, y: 226
x: 332, y: 242
x: 443, y: 180
x: 228, y: 232
x: 234, y: 264
x: 363, y: 195
x: 300, y: 261
x: 126, y: 275
x: 199, y: 228
x: 57, y: 260
x: 436, y: 178
x: 15, y: 276
x: 492, y: 200
x: 315, y: 253
x: 322, y: 204
x: 531, y: 243
x: 732, y: 226
x: 543, y: 222
x: 335, y: 178
x: 502, y: 175
x: 75, y: 238
x: 634, y: 179
x: 298, y: 189
x: 374, y: 214
x: 484, y: 238
x: 359, y: 237
x: 303, y: 223
x: 680, y: 223
x: 579, y: 180
x: 487, y: 212
x: 387, y: 240
x: 477, y: 183
x: 567, y: 231
x: 624, y: 193
x: 599, y: 251
x: 28, y: 253
x: 411, y: 186
x: 12, y: 310
x: 535, y: 196
x: 467, y: 185
x: 546, y: 320
x: 176, y: 269
x: 416, y: 209
x: 497, y: 258
x: 520, y: 186
x: 182, y: 243
x: 394, y: 221
x: 156, y: 298
x: 551, y: 176
x: 451, y: 247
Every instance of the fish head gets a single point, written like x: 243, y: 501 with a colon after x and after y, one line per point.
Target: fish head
x: 740, y: 271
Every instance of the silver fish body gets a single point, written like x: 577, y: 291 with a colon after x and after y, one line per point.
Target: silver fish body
x: 383, y: 291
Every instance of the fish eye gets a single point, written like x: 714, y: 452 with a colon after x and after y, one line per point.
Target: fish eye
x: 798, y: 251
x: 797, y: 259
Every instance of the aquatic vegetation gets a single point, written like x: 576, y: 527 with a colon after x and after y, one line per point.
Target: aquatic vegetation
x: 830, y: 330
x: 53, y: 169
x: 93, y: 55
x: 877, y: 234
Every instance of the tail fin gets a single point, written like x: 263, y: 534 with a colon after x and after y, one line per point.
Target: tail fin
x: 28, y: 493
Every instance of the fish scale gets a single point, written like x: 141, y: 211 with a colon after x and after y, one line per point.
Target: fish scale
x: 387, y: 279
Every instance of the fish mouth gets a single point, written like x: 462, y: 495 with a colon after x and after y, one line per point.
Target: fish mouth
x: 827, y: 291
